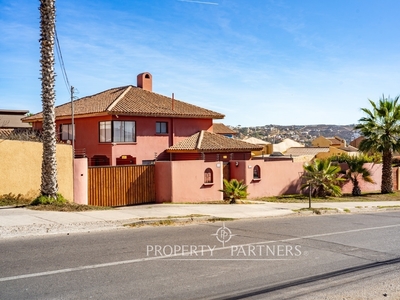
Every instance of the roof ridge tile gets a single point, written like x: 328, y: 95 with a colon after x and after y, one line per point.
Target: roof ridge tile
x: 115, y: 102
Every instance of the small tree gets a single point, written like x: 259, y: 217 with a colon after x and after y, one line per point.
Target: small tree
x: 321, y: 178
x: 356, y: 170
x: 381, y: 130
x: 234, y: 190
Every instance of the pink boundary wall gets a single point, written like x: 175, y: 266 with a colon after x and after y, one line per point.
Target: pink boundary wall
x: 183, y: 181
x: 81, y: 180
x: 283, y: 177
x: 277, y: 177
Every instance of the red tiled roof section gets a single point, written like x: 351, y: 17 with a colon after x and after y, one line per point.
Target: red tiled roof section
x: 134, y: 101
x: 222, y: 129
x: 87, y: 105
x: 137, y: 101
x: 205, y: 141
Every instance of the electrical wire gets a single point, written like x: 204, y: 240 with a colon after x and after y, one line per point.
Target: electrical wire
x: 60, y: 58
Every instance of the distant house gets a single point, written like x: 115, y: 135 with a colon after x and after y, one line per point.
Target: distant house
x: 10, y: 121
x: 264, y: 144
x: 336, y: 145
x: 329, y: 142
x: 129, y: 124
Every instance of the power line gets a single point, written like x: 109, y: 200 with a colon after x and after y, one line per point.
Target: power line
x: 60, y: 58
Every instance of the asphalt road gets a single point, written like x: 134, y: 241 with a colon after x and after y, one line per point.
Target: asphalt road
x: 309, y: 257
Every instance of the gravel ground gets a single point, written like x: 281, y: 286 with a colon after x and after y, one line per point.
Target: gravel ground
x: 44, y: 229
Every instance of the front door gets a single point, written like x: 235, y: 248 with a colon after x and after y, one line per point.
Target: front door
x: 227, y: 171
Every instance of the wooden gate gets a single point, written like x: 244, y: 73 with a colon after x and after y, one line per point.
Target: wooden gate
x: 121, y: 185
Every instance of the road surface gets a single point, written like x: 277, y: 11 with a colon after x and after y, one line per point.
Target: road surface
x: 339, y: 256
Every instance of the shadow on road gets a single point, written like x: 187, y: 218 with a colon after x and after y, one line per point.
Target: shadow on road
x: 311, y: 279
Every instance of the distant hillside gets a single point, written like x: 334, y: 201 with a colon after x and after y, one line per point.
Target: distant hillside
x: 300, y: 133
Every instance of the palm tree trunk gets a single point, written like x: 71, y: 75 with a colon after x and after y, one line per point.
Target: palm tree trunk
x: 387, y: 181
x: 49, y: 185
x: 356, y: 187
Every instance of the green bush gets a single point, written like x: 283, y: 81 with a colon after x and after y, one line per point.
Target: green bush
x: 46, y: 200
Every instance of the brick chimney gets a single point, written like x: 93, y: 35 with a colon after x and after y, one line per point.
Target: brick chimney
x: 144, y: 81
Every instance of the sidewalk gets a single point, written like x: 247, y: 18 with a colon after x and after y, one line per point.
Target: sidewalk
x: 18, y: 222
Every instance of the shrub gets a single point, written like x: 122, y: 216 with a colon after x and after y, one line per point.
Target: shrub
x: 234, y: 190
x: 46, y: 200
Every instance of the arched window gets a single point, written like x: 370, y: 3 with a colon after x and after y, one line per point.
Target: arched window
x: 208, y: 176
x: 256, y: 172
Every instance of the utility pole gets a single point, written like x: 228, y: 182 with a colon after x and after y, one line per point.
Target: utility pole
x: 73, y: 122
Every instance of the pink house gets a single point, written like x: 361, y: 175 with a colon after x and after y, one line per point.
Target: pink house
x: 132, y: 125
x: 127, y: 125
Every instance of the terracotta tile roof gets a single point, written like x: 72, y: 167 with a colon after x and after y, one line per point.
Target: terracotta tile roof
x: 222, y: 129
x: 6, y: 132
x: 204, y: 141
x: 134, y: 101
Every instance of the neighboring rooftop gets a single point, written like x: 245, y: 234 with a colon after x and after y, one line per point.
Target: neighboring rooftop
x: 285, y: 144
x: 204, y: 141
x: 299, y: 151
x: 12, y: 118
x: 256, y: 141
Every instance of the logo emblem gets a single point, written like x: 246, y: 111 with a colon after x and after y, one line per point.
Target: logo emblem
x: 223, y: 234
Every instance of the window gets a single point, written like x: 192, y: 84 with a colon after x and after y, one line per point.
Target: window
x: 117, y: 131
x: 124, y: 131
x: 105, y: 132
x: 161, y: 127
x: 208, y: 176
x: 66, y: 132
x: 256, y: 172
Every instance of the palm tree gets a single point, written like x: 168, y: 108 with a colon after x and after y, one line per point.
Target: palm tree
x: 321, y: 178
x: 356, y: 170
x: 234, y: 190
x: 49, y: 185
x: 381, y: 131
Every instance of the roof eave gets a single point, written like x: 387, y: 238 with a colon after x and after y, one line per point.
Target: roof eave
x: 138, y: 114
x: 210, y: 150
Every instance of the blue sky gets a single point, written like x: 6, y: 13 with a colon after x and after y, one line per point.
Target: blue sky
x: 256, y: 61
